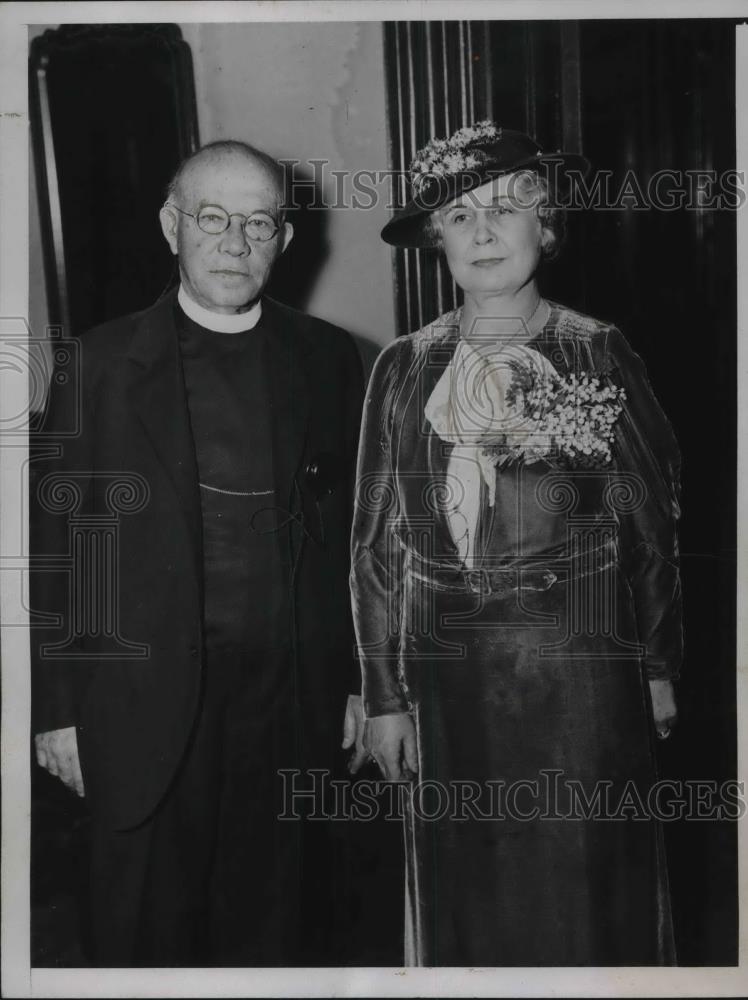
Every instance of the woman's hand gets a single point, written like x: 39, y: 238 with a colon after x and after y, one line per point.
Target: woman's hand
x: 664, y: 709
x: 391, y: 741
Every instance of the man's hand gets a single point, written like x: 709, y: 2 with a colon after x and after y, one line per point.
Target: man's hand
x: 664, y: 709
x: 391, y: 741
x: 57, y: 752
x: 353, y: 732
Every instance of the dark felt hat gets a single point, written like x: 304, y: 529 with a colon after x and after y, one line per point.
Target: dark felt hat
x: 447, y: 168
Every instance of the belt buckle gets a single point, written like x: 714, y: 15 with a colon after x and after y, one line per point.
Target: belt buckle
x: 549, y: 578
x: 479, y: 581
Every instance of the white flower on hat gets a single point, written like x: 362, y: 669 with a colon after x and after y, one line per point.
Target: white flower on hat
x: 447, y: 156
x: 453, y: 163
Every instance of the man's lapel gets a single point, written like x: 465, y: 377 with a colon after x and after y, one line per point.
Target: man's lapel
x: 158, y: 394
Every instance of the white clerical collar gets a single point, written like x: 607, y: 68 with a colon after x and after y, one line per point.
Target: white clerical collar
x: 219, y: 322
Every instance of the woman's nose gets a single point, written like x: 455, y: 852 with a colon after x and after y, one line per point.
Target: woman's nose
x: 483, y: 232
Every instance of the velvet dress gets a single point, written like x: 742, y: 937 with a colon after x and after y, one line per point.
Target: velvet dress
x: 530, y: 834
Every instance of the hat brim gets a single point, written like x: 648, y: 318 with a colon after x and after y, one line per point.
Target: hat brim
x: 406, y: 227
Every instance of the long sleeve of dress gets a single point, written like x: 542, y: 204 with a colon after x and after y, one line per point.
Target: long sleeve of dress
x: 354, y: 397
x: 376, y: 554
x: 646, y: 448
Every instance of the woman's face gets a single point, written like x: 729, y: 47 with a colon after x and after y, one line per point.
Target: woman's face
x: 492, y: 236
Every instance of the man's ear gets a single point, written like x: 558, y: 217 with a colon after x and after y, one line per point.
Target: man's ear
x: 286, y: 236
x: 169, y: 221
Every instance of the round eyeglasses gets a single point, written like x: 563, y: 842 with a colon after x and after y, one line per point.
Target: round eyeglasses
x: 212, y: 219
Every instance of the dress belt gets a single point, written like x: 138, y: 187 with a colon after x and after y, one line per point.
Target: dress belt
x: 540, y: 573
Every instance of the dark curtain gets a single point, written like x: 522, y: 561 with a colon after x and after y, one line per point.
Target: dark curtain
x: 437, y: 80
x: 112, y: 114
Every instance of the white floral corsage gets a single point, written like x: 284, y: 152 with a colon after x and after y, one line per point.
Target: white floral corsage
x: 569, y: 420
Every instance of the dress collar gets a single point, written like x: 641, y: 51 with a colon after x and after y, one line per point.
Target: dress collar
x: 488, y: 331
x: 218, y: 322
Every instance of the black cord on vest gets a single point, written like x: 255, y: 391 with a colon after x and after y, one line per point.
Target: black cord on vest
x: 290, y: 518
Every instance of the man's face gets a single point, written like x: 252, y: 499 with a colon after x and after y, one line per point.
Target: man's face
x: 225, y: 273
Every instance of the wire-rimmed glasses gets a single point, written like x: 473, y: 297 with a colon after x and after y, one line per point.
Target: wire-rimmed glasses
x: 259, y: 227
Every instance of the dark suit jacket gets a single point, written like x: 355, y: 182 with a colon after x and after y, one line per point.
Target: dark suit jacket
x: 135, y: 714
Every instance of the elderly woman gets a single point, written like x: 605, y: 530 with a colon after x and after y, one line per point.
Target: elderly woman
x: 516, y: 588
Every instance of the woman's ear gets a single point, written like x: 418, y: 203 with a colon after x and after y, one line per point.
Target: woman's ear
x: 547, y: 240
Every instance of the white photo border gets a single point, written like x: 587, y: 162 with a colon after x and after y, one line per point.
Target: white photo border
x: 18, y: 979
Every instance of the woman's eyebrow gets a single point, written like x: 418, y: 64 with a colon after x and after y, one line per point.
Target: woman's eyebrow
x: 470, y: 203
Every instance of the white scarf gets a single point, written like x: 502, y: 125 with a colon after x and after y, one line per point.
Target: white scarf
x: 467, y: 408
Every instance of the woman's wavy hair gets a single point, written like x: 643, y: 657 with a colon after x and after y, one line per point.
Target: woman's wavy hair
x: 552, y: 217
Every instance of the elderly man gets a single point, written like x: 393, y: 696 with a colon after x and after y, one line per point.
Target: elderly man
x: 235, y: 421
